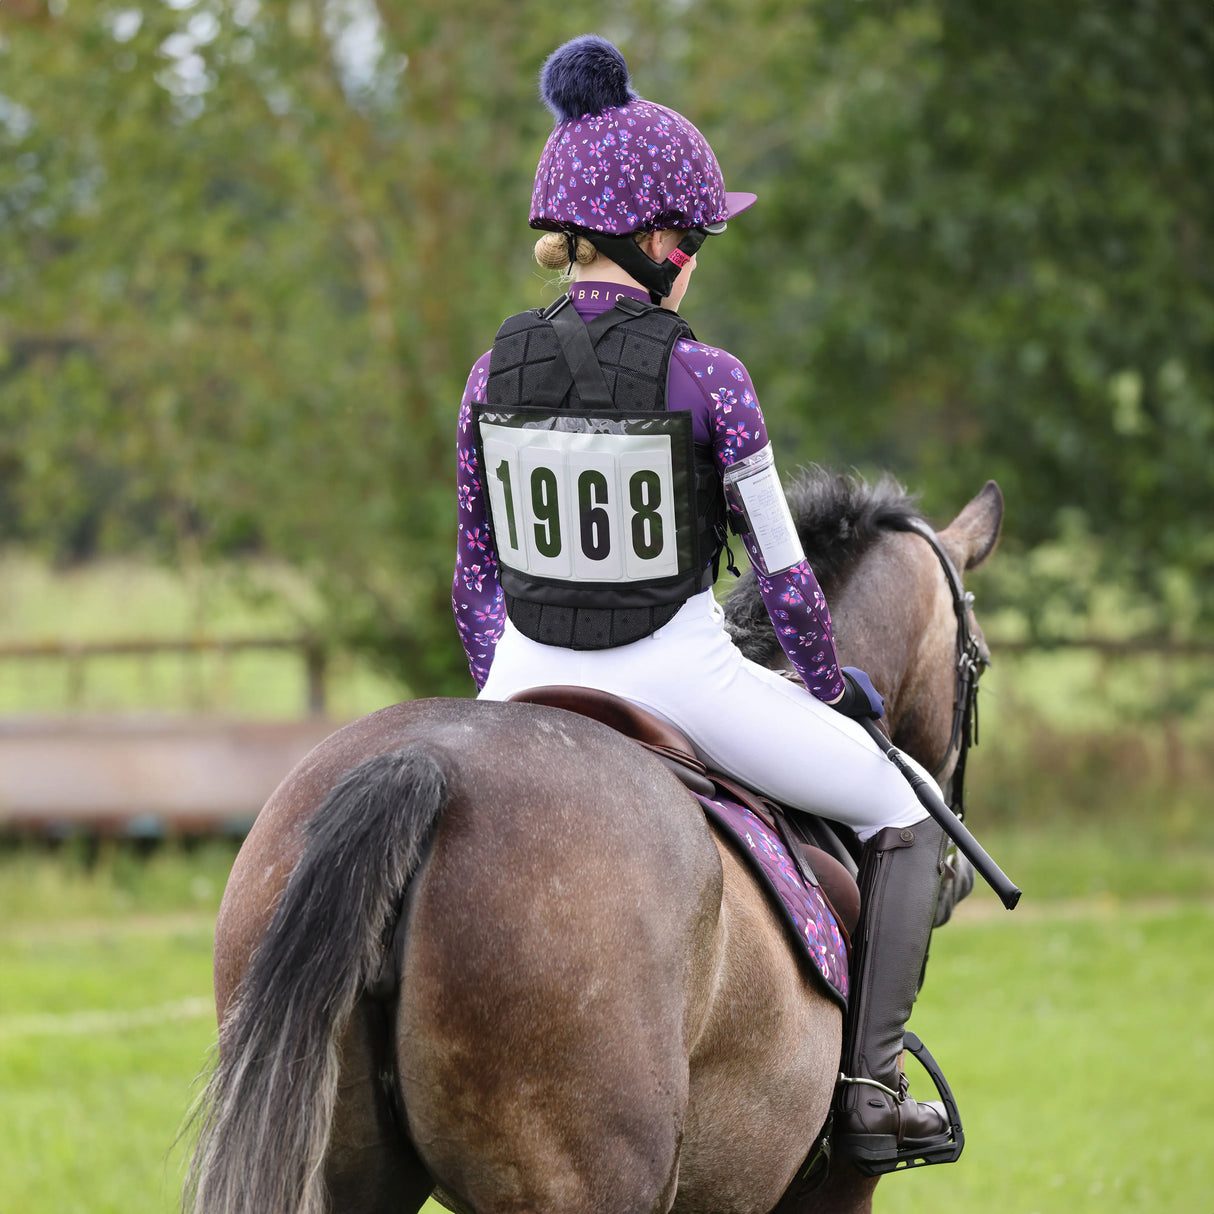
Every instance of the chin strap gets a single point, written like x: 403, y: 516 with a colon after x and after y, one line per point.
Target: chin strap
x: 657, y: 277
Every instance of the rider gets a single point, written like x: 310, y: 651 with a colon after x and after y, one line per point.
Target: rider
x: 601, y: 449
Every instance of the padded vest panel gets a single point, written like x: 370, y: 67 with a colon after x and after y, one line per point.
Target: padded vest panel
x: 527, y: 367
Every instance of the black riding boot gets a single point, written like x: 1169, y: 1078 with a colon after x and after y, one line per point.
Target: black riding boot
x: 877, y: 1123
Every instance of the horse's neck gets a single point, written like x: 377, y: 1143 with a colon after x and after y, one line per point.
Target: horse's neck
x: 893, y: 621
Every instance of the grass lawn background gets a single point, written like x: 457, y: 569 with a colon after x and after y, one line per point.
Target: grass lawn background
x: 1075, y: 1032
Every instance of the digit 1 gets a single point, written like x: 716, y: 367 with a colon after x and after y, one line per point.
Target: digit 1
x: 502, y: 472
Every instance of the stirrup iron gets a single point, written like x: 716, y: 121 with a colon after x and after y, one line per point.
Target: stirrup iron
x: 910, y: 1156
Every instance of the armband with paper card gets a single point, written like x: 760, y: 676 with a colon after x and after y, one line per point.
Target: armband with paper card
x: 752, y: 488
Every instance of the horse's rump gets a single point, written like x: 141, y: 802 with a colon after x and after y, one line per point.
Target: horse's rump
x: 559, y: 943
x: 577, y: 964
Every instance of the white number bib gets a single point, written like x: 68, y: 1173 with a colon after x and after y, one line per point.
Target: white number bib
x: 578, y: 504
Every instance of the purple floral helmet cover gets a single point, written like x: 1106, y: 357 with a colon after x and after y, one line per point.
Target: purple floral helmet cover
x: 616, y: 163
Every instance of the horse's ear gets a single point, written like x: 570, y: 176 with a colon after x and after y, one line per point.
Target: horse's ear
x: 971, y: 537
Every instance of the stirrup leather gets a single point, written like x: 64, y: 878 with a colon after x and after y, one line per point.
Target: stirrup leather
x: 910, y: 1155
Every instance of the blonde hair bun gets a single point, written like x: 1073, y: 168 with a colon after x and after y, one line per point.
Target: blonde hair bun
x: 552, y: 251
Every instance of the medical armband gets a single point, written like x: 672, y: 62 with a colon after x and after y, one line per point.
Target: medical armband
x: 752, y: 489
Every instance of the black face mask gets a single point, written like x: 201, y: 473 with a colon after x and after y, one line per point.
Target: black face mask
x: 656, y: 276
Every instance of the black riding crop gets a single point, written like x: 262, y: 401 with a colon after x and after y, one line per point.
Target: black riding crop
x: 952, y: 825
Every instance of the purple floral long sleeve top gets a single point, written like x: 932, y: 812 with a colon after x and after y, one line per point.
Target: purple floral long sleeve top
x: 716, y: 388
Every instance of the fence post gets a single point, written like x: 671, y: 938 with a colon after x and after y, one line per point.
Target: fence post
x: 315, y: 662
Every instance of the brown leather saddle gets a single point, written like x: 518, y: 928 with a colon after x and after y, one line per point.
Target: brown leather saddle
x: 816, y: 865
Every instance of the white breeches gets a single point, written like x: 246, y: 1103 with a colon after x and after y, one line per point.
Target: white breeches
x: 747, y: 721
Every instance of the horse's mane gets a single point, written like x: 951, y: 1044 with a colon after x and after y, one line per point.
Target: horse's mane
x: 838, y: 518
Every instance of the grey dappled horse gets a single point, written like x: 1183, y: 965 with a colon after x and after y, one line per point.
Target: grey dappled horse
x: 495, y: 952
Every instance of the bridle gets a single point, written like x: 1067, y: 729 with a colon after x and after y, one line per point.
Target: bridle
x: 971, y: 662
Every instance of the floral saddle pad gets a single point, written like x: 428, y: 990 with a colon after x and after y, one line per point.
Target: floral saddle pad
x: 805, y: 912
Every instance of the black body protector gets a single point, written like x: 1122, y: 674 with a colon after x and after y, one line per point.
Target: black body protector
x: 607, y: 516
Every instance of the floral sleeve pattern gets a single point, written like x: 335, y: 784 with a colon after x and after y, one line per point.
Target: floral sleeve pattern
x: 794, y: 600
x: 476, y: 592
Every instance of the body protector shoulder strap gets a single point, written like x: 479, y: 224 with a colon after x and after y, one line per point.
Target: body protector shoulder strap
x: 607, y: 516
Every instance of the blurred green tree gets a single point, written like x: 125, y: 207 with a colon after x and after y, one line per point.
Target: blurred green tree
x: 249, y: 248
x: 986, y: 248
x: 240, y: 287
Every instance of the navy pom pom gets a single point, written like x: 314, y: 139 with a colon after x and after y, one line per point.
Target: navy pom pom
x: 585, y: 76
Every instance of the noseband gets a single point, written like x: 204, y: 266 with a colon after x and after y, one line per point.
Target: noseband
x: 970, y: 665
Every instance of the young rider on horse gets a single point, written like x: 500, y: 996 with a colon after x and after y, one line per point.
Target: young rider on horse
x: 601, y: 451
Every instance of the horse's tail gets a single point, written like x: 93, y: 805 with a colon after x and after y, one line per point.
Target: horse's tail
x: 267, y: 1110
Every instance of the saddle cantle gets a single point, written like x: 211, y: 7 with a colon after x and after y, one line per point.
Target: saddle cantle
x: 633, y: 722
x: 815, y: 893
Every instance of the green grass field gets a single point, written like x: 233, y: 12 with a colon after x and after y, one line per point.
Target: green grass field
x: 1076, y: 1033
x: 1076, y: 1030
x: 105, y: 1018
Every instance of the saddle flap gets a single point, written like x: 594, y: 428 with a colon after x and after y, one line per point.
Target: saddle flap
x: 815, y: 866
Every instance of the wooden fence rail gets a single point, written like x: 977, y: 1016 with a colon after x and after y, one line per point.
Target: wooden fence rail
x: 209, y: 775
x: 313, y: 652
x: 1113, y: 649
x: 149, y: 777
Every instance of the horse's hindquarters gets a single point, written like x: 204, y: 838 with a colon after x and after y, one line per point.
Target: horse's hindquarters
x: 591, y: 1017
x: 559, y: 939
x: 763, y: 1065
x: 370, y: 1167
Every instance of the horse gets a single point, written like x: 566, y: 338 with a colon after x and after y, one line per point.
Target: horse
x: 494, y: 953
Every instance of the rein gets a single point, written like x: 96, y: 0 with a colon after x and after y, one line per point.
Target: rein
x: 970, y: 665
